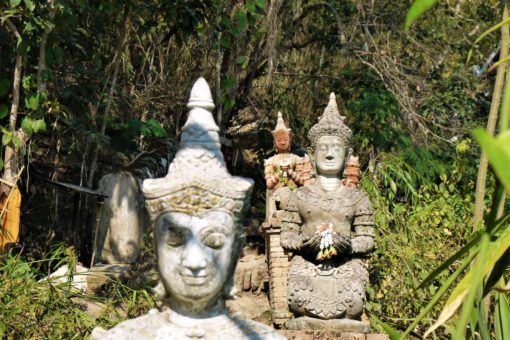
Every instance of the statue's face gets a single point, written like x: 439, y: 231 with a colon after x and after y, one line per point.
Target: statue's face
x: 282, y: 140
x: 195, y: 254
x: 329, y: 155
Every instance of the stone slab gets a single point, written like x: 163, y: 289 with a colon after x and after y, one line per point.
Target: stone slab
x: 101, y: 274
x: 308, y: 334
x: 344, y: 325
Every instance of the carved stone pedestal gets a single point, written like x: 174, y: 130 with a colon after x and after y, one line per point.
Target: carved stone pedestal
x: 309, y: 334
x: 344, y: 325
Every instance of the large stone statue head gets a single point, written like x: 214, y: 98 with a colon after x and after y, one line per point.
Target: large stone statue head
x: 281, y: 135
x: 329, y: 140
x: 194, y: 210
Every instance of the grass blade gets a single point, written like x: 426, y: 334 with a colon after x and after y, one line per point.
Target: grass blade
x: 496, y: 250
x: 502, y: 316
x: 392, y: 332
x: 486, y: 33
x: 451, y: 279
x: 417, y: 8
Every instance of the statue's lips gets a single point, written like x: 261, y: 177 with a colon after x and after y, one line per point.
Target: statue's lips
x: 195, y: 280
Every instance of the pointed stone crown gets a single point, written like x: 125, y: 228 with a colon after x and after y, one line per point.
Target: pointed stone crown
x: 280, y: 124
x: 331, y: 123
x: 197, y: 179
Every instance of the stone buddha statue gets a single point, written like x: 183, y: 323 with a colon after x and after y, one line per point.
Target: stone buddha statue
x: 332, y: 235
x: 195, y: 210
x: 284, y: 169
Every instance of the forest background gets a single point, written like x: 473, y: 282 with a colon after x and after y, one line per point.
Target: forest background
x: 85, y: 86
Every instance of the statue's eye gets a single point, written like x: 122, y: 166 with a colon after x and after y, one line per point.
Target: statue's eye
x: 214, y: 240
x: 175, y: 238
x: 323, y: 148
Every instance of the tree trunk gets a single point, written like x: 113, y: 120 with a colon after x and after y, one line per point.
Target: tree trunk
x: 11, y: 151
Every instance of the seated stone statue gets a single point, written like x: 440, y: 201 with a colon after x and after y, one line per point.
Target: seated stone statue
x: 327, y: 274
x: 195, y: 211
x: 284, y: 169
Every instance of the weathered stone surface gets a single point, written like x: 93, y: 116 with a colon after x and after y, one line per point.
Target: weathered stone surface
x: 122, y: 221
x: 101, y: 274
x: 343, y: 325
x: 330, y: 335
x: 330, y: 239
x: 194, y: 210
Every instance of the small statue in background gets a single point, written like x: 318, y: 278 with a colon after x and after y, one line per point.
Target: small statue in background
x: 195, y: 211
x: 284, y: 169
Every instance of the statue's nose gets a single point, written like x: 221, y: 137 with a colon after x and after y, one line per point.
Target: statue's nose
x: 329, y: 156
x: 194, y: 257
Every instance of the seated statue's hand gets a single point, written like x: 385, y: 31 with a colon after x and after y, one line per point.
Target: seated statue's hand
x: 295, y: 176
x: 272, y: 180
x: 342, y: 244
x: 313, y: 243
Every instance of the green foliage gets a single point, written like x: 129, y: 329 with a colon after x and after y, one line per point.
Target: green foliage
x: 373, y: 109
x: 31, y: 126
x: 484, y: 258
x: 420, y: 221
x: 32, y: 309
x: 35, y: 309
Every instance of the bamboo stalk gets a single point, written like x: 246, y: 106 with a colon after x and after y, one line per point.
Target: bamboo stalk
x: 491, y: 124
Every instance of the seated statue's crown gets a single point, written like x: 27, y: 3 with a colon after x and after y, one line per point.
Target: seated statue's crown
x: 197, y: 179
x: 331, y: 123
x: 280, y: 124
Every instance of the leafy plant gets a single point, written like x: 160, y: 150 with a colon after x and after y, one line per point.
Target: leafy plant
x: 485, y: 257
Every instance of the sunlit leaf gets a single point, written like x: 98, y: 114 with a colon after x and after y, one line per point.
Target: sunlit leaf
x: 30, y: 5
x: 260, y: 4
x: 444, y: 287
x: 39, y: 126
x: 16, y: 141
x: 250, y: 6
x: 417, y: 8
x: 26, y: 126
x: 494, y: 253
x: 15, y: 3
x: 475, y: 284
x: 498, y: 153
x: 32, y: 101
x: 502, y: 317
x: 6, y: 137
